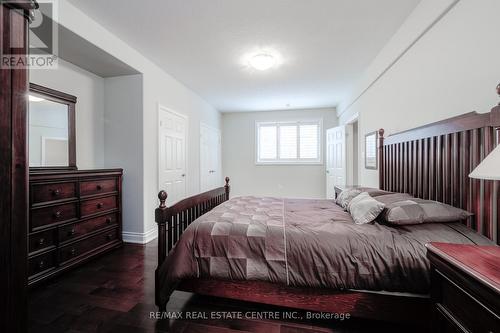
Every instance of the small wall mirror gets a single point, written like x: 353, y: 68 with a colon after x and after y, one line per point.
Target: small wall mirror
x: 371, y: 156
x: 51, y: 129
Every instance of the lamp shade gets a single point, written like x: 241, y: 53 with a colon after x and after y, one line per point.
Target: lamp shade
x: 489, y: 168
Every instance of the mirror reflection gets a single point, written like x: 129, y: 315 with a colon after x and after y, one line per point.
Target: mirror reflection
x: 48, y: 133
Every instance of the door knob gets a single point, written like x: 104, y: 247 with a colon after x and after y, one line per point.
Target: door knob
x: 183, y: 175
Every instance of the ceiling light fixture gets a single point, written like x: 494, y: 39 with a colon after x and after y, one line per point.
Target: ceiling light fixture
x: 262, y: 61
x: 35, y: 99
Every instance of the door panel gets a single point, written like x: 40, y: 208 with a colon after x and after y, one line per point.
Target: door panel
x: 172, y: 154
x: 210, y: 158
x: 336, y: 168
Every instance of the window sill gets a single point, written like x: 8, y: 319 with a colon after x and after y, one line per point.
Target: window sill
x: 289, y: 163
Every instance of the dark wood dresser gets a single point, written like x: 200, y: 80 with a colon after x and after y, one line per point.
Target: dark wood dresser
x: 465, y: 287
x: 74, y: 216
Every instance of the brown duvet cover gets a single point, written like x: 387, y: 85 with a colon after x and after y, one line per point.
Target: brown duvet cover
x: 306, y: 243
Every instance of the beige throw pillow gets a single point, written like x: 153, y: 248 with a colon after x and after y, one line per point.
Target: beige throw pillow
x: 346, y: 196
x: 365, y: 209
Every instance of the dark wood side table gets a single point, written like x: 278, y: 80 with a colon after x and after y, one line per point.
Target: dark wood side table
x: 465, y: 287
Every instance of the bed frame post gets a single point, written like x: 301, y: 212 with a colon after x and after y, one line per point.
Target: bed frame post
x: 227, y: 188
x: 495, y: 122
x: 381, y: 165
x: 162, y: 216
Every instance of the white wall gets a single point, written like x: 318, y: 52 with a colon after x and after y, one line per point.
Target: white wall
x: 89, y: 90
x: 123, y: 145
x: 158, y: 87
x: 449, y: 69
x: 247, y: 178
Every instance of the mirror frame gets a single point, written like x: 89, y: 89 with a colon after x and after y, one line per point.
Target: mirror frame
x: 70, y: 101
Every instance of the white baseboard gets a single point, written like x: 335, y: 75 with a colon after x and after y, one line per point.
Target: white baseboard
x: 140, y: 237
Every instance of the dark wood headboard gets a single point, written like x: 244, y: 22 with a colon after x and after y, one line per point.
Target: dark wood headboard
x: 434, y: 161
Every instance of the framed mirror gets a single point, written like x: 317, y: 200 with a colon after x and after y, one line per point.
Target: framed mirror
x: 371, y: 150
x: 52, y: 139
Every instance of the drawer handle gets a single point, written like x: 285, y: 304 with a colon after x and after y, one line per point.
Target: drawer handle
x: 57, y: 214
x: 41, y: 264
x: 72, y: 251
x: 99, y: 187
x: 108, y: 220
x: 41, y: 241
x: 109, y: 236
x: 56, y: 193
x: 100, y: 205
x: 72, y: 232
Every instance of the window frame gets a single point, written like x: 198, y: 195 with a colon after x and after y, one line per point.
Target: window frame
x: 295, y: 161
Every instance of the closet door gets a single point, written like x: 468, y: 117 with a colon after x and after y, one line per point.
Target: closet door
x: 172, y: 159
x: 210, y: 158
x: 14, y: 17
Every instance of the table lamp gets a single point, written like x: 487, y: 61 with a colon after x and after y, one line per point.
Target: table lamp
x: 489, y: 168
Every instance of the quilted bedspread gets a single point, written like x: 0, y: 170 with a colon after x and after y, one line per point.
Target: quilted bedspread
x: 307, y: 243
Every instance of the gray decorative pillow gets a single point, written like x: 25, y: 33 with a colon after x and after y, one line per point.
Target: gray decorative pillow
x: 373, y: 192
x: 417, y: 211
x: 365, y: 209
x: 393, y: 198
x: 346, y: 196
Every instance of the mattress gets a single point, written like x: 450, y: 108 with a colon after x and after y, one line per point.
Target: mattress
x: 305, y: 243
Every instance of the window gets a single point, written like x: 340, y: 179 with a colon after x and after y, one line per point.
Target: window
x: 295, y: 142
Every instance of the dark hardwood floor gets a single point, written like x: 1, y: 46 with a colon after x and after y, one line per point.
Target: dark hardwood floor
x: 115, y: 293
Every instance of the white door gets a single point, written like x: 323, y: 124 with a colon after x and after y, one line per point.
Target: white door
x: 336, y: 169
x: 210, y: 158
x: 172, y: 154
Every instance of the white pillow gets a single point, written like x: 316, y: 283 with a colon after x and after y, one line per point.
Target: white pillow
x: 346, y: 196
x: 364, y: 209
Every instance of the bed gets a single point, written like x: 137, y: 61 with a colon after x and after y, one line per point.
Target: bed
x: 308, y: 254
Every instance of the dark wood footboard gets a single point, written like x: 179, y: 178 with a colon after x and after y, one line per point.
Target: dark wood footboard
x: 173, y: 220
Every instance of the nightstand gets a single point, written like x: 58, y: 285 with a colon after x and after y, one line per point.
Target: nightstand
x: 465, y: 287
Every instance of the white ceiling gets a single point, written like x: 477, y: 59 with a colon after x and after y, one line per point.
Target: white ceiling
x: 325, y: 45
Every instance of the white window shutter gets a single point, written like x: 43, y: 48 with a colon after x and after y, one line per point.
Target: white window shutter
x: 288, y: 142
x: 267, y: 143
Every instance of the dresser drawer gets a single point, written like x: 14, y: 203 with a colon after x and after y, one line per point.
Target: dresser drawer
x: 446, y: 323
x: 52, y: 192
x: 73, y: 251
x: 90, y: 207
x: 55, y: 214
x: 42, y: 240
x: 78, y: 229
x: 41, y: 263
x: 99, y: 186
x: 467, y: 310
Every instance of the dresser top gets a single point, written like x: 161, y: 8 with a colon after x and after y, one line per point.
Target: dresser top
x: 480, y: 262
x: 41, y: 173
